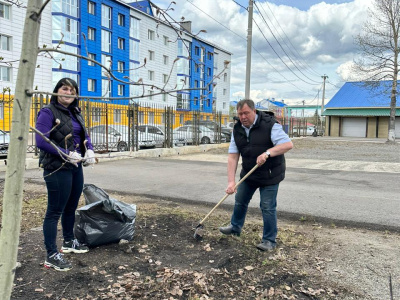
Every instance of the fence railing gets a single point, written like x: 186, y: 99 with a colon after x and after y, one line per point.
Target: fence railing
x: 117, y: 127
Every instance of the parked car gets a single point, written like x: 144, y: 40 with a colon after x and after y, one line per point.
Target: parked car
x: 4, y: 141
x: 225, y: 131
x: 117, y: 138
x: 154, y: 132
x: 301, y: 131
x: 186, y: 135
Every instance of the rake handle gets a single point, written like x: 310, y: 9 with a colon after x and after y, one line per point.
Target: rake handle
x: 226, y: 196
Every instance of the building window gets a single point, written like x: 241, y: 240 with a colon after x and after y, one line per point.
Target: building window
x: 151, y: 94
x: 121, y: 43
x: 106, y: 61
x: 165, y: 97
x: 5, y: 73
x: 134, y: 28
x: 106, y: 88
x: 196, y: 50
x: 151, y: 35
x: 224, y: 92
x: 91, y: 85
x: 209, y: 71
x: 151, y: 55
x: 118, y: 114
x: 196, y: 83
x: 166, y: 41
x: 5, y: 42
x: 224, y: 105
x: 91, y: 33
x: 121, y: 66
x: 225, y: 77
x: 121, y: 20
x: 165, y: 60
x: 91, y: 56
x: 151, y: 75
x: 165, y: 78
x: 196, y: 101
x: 91, y: 8
x: 105, y: 41
x: 209, y: 55
x: 105, y: 16
x: 4, y: 11
x: 120, y: 89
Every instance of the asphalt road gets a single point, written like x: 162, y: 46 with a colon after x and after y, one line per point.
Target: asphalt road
x: 347, y: 193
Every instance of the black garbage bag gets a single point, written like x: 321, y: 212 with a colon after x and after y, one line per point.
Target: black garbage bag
x: 103, y: 220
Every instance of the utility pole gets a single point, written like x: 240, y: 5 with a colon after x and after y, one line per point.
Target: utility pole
x: 248, y: 57
x: 323, y: 94
x: 323, y: 101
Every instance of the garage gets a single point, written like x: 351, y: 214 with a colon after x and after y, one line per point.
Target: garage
x: 354, y: 127
x: 397, y: 128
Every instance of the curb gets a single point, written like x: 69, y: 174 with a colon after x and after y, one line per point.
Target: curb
x: 33, y: 162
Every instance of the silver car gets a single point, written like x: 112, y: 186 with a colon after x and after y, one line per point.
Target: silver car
x: 117, y: 137
x: 4, y: 141
x: 188, y: 134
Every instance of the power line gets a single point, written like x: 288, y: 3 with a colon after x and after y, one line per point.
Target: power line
x: 269, y: 28
x: 293, y: 47
x: 287, y: 80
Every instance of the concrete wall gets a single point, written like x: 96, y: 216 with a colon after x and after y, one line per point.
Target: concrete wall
x: 371, y: 127
x: 334, y: 127
x: 383, y: 127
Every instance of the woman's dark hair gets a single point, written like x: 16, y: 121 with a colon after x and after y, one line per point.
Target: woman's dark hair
x: 64, y: 81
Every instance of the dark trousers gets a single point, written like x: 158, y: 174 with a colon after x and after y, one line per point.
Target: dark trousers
x: 64, y: 189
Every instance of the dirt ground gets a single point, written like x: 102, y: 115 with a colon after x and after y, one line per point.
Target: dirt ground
x: 164, y: 261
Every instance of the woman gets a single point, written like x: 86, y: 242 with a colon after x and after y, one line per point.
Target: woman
x: 62, y: 123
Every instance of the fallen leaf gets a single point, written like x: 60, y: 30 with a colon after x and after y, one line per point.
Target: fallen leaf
x: 249, y: 268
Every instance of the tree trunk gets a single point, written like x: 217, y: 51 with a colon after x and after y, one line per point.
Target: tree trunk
x: 13, y: 187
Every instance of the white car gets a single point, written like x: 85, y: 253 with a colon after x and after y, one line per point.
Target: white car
x: 4, y: 141
x: 154, y: 132
x: 301, y: 131
x: 117, y: 137
x: 188, y: 134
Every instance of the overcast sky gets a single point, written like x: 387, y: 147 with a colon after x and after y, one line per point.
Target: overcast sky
x: 309, y: 39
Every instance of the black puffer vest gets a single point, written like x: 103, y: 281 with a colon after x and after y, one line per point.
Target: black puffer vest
x: 57, y: 136
x: 259, y: 140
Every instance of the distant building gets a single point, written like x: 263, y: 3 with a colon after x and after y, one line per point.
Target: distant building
x: 121, y: 36
x: 359, y: 111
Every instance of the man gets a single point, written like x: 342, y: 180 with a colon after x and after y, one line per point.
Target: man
x: 259, y: 139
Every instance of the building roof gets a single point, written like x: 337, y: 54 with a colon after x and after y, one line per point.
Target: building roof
x: 357, y: 95
x: 360, y: 112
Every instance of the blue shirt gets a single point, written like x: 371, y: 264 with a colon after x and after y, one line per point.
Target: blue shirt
x: 278, y: 136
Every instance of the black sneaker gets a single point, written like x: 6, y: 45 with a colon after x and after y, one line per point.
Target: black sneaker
x: 74, y: 246
x: 57, y: 262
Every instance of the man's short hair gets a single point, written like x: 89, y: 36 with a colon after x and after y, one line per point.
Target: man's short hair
x: 241, y: 103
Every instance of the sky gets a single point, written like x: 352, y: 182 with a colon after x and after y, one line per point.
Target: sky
x: 294, y: 43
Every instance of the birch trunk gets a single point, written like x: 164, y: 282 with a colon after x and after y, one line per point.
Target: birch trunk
x: 13, y: 187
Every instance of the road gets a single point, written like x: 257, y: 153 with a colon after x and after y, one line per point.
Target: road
x: 347, y: 193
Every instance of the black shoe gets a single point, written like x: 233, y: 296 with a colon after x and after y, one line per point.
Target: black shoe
x: 74, y: 246
x: 229, y: 230
x: 266, y: 246
x: 57, y: 262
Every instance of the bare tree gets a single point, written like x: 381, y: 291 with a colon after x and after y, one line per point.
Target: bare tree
x: 13, y: 187
x: 379, y: 51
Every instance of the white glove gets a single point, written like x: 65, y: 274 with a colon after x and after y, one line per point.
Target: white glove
x: 89, y: 158
x: 74, y: 158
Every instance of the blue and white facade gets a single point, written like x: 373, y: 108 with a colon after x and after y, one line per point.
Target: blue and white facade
x: 134, y: 44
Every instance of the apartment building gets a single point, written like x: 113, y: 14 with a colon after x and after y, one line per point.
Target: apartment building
x: 12, y: 19
x: 145, y: 55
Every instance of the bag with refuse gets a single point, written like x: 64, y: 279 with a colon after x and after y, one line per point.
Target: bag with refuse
x: 103, y: 220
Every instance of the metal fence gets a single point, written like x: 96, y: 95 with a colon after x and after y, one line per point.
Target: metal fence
x: 114, y: 126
